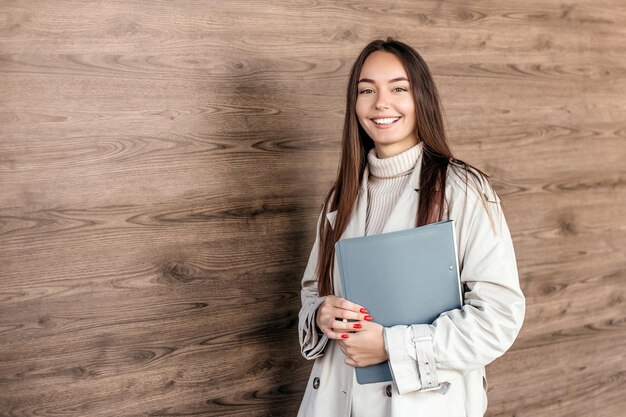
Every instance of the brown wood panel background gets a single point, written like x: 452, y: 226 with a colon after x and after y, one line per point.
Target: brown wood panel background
x: 163, y: 163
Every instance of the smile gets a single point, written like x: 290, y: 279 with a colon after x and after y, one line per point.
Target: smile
x: 386, y: 120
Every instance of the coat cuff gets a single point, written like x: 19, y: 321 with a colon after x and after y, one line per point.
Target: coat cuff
x: 422, y: 341
x: 312, y: 342
x: 401, y: 364
x: 411, y: 358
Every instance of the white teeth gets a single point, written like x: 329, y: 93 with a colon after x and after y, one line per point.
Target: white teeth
x: 387, y: 121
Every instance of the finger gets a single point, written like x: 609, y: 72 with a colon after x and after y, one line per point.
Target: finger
x: 330, y: 318
x: 337, y: 335
x: 345, y: 349
x: 348, y: 323
x: 350, y: 362
x: 344, y: 304
x: 337, y: 311
x: 351, y: 315
x: 336, y: 323
x: 340, y: 331
x: 370, y: 325
x: 352, y: 326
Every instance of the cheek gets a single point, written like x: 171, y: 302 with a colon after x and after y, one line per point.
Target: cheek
x: 361, y: 111
x: 359, y: 108
x: 411, y: 123
x: 407, y: 106
x: 409, y: 112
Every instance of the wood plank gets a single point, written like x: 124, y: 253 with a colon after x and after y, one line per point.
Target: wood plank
x: 162, y: 168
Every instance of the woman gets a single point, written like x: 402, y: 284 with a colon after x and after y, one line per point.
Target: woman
x: 394, y: 156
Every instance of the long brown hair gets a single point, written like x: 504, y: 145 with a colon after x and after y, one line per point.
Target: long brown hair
x: 356, y: 143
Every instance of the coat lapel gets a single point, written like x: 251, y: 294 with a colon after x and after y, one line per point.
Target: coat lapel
x: 356, y: 224
x: 355, y: 227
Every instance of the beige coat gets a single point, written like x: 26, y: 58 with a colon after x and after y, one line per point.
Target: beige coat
x: 438, y: 369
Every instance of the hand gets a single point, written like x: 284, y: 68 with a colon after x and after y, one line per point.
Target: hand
x: 333, y: 315
x: 367, y: 347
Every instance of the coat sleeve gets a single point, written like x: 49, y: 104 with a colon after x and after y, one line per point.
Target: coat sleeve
x: 312, y: 341
x: 493, y: 311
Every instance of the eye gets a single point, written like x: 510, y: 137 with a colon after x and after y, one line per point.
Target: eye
x: 365, y: 90
x: 400, y: 88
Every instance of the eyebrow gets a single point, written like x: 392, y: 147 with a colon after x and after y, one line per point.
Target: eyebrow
x: 393, y: 80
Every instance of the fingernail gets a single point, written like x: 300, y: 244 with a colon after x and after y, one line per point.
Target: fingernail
x: 364, y: 311
x: 368, y: 318
x: 357, y: 325
x: 344, y: 336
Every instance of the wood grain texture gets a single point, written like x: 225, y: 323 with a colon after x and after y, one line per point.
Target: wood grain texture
x: 163, y: 163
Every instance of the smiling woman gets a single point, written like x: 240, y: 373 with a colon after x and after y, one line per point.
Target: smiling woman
x: 397, y: 172
x: 385, y: 106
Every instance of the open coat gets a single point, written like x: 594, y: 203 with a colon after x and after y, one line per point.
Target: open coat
x: 438, y: 369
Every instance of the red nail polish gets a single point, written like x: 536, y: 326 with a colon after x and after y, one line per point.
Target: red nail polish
x: 344, y: 336
x: 357, y: 325
x: 368, y: 318
x: 364, y: 311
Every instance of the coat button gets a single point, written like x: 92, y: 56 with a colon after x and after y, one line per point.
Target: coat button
x: 316, y: 383
x: 388, y: 390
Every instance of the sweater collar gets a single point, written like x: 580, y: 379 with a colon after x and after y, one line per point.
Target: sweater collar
x: 393, y: 166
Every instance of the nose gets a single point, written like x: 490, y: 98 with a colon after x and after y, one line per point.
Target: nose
x: 382, y: 101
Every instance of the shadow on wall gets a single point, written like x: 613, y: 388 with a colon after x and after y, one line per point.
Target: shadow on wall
x: 265, y: 199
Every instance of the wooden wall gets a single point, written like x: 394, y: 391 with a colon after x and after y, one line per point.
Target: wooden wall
x: 163, y: 163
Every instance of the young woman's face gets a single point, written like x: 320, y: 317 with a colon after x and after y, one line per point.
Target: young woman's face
x: 384, y: 105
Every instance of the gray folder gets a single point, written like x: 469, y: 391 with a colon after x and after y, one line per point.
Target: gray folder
x: 405, y: 277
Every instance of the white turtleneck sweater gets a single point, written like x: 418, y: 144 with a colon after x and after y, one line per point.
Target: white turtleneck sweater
x: 388, y: 177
